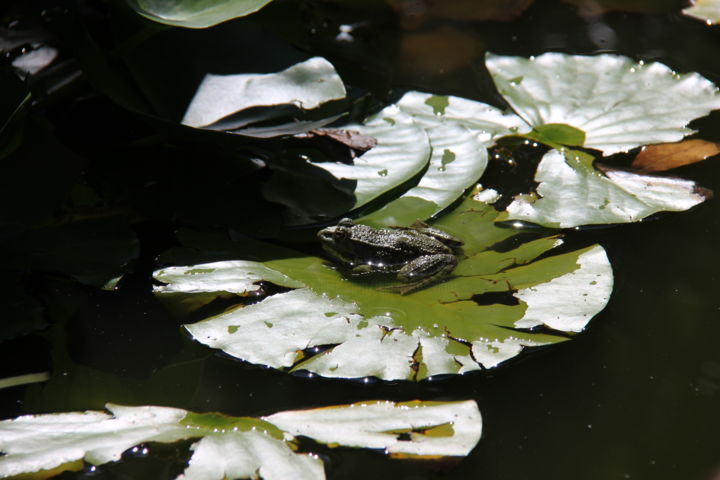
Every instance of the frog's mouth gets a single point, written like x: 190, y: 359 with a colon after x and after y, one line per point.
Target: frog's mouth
x: 335, y: 254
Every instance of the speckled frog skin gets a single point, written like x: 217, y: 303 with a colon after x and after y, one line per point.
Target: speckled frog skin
x: 419, y: 255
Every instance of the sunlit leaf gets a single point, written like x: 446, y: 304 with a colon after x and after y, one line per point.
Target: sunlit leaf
x: 195, y: 13
x: 306, y: 85
x: 379, y: 425
x: 707, y: 10
x: 485, y: 121
x: 666, y: 156
x: 402, y: 152
x: 618, y: 103
x: 458, y: 160
x: 570, y: 193
x: 238, y: 447
x: 340, y: 327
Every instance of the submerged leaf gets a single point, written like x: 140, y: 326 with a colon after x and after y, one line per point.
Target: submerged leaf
x: 195, y: 13
x: 666, y: 156
x: 350, y: 138
x: 232, y: 447
x: 571, y: 194
x: 445, y: 328
x: 618, y: 103
x: 306, y: 85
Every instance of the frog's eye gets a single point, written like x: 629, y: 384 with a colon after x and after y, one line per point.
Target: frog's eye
x: 345, y: 222
x: 340, y: 234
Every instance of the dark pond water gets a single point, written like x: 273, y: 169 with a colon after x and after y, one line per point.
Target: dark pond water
x: 636, y: 396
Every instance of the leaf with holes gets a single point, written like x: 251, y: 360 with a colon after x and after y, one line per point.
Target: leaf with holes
x: 238, y: 447
x: 481, y: 316
x: 606, y: 102
x: 571, y: 193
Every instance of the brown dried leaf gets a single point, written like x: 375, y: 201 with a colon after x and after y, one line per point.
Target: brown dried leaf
x: 350, y: 138
x: 666, y: 156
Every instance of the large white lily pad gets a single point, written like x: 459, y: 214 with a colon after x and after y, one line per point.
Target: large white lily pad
x: 617, y: 102
x: 570, y: 193
x: 458, y: 161
x: 343, y: 328
x: 306, y: 85
x: 485, y: 121
x: 401, y: 153
x: 232, y: 447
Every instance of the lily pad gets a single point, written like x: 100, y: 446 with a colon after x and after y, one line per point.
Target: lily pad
x: 458, y: 161
x: 338, y: 327
x: 402, y: 152
x: 618, y: 103
x: 570, y: 193
x: 590, y: 101
x: 706, y: 10
x: 195, y: 13
x: 305, y: 85
x: 485, y: 121
x: 239, y: 447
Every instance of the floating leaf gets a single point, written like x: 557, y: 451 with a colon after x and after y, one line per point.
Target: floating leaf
x: 195, y: 13
x: 238, y: 447
x: 401, y: 153
x: 485, y: 121
x: 618, y: 103
x: 458, y: 160
x: 707, y: 10
x: 380, y: 425
x: 306, y: 85
x: 341, y: 328
x: 570, y: 193
x: 666, y: 156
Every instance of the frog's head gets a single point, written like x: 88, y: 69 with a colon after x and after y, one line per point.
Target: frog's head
x: 337, y: 241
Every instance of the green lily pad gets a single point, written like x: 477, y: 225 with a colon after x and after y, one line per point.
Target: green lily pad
x: 239, y: 447
x: 342, y: 328
x: 305, y: 85
x: 706, y: 10
x: 571, y: 194
x: 618, y: 103
x: 195, y: 13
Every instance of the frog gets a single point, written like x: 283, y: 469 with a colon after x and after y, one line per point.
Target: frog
x: 418, y: 256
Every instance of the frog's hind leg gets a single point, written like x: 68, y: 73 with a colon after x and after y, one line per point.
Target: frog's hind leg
x: 425, y: 271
